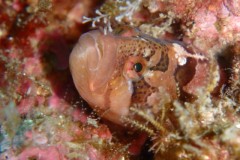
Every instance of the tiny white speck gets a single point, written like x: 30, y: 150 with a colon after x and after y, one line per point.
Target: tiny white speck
x: 238, y: 125
x: 182, y: 61
x: 147, y: 52
x: 29, y: 90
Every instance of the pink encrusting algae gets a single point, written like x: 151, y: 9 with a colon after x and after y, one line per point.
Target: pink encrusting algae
x: 148, y: 79
x: 41, y: 113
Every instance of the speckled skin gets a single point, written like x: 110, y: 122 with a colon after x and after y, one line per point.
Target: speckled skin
x: 158, y: 63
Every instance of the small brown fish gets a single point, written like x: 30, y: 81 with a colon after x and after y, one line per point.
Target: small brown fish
x: 113, y: 73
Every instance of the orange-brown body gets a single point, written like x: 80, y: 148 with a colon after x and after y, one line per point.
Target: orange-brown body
x: 113, y: 73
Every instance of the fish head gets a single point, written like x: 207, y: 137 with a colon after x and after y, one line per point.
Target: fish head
x: 112, y: 73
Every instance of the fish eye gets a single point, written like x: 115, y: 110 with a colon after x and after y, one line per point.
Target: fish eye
x: 134, y: 68
x: 138, y: 67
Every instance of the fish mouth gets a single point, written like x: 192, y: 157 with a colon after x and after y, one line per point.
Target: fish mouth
x: 92, y: 64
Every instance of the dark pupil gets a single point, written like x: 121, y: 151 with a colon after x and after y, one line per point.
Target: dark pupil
x: 137, y: 67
